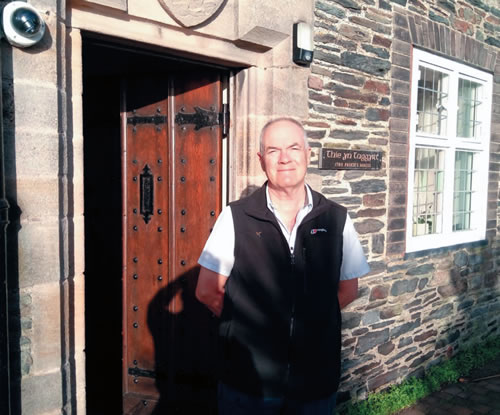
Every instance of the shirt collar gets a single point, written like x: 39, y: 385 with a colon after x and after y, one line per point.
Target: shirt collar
x: 309, y: 203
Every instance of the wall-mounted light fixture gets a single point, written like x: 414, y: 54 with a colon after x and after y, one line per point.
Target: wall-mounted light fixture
x: 303, y: 44
x: 22, y: 25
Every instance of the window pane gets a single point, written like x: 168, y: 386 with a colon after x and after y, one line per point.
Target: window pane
x: 432, y: 101
x: 469, y: 105
x: 462, y: 197
x: 428, y: 191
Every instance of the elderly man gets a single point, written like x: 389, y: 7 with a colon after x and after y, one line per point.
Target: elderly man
x: 277, y: 268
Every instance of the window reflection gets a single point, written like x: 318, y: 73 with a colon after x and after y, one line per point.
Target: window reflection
x: 468, y: 106
x: 462, y: 196
x: 432, y: 101
x: 428, y: 191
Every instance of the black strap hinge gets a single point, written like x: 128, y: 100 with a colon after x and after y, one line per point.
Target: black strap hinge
x: 202, y: 118
x: 144, y: 373
x: 153, y: 119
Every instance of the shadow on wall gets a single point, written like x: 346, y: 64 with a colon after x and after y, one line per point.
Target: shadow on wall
x: 187, y: 349
x: 424, y: 310
x: 473, y: 281
x: 18, y: 305
x: 249, y: 190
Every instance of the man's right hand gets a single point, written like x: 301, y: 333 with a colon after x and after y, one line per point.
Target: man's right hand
x: 210, y: 290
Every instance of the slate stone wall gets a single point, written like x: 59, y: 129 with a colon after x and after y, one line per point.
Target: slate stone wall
x: 414, y: 309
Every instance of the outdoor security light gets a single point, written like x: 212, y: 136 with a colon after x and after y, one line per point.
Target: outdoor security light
x: 303, y: 45
x: 22, y: 25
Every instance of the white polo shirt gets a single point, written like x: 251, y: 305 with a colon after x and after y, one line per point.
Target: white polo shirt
x: 218, y: 253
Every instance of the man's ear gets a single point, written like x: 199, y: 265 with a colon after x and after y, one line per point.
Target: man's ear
x: 308, y: 155
x: 261, y: 160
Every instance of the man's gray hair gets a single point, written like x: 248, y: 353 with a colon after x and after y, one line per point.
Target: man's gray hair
x: 280, y: 119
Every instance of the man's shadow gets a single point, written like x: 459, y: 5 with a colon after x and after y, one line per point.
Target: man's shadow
x: 185, y: 340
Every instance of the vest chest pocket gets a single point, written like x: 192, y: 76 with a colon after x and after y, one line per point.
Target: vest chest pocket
x: 323, y: 255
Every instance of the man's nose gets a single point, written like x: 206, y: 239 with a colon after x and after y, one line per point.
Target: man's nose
x: 284, y: 157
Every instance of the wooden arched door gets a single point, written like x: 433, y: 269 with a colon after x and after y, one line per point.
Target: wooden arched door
x: 172, y: 131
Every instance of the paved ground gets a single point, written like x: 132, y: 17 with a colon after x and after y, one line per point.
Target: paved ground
x: 467, y: 398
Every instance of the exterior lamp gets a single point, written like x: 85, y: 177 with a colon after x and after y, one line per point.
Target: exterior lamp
x: 303, y: 45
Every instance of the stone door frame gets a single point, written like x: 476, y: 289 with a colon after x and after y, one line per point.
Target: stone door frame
x: 257, y: 91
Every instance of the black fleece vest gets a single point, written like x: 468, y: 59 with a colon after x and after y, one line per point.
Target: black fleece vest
x: 280, y: 325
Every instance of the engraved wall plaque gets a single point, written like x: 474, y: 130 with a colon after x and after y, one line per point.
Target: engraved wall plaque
x: 191, y: 12
x: 342, y: 159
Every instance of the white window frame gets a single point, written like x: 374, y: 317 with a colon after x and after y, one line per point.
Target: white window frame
x: 450, y: 143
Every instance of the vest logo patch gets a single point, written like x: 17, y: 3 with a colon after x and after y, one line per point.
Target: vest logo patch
x: 315, y: 231
x: 259, y: 234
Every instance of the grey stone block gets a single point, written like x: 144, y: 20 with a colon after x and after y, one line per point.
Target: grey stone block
x: 368, y: 186
x: 349, y: 135
x: 41, y: 394
x: 349, y: 4
x: 421, y: 269
x: 371, y: 340
x: 441, y: 312
x: 38, y: 250
x: 330, y: 9
x: 404, y: 286
x: 401, y: 60
x: 422, y: 359
x: 29, y: 144
x: 366, y: 64
x: 461, y: 259
x: 38, y: 63
x: 405, y: 342
x: 350, y: 320
x: 401, y: 354
x: 368, y: 226
x: 36, y: 107
x: 370, y: 317
x: 377, y: 114
x: 404, y: 328
x: 438, y: 18
x: 400, y: 20
x: 402, y: 34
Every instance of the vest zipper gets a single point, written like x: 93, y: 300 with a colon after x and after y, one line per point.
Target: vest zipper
x: 304, y: 258
x: 292, y: 321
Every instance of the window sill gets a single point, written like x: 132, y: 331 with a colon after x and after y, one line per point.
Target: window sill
x: 444, y: 249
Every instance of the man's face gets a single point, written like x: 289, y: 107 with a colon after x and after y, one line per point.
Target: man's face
x: 285, y: 156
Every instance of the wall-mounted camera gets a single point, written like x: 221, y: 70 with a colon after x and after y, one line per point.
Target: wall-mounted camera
x: 22, y: 25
